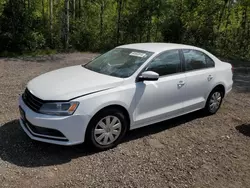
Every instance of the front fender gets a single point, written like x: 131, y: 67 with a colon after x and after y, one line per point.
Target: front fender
x: 91, y: 104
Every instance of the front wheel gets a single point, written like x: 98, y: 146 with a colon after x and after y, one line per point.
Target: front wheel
x: 214, y: 102
x: 106, y: 129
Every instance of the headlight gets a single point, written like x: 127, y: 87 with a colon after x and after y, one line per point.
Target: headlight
x: 59, y: 108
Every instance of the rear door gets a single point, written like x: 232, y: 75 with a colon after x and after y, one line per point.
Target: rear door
x: 200, y: 76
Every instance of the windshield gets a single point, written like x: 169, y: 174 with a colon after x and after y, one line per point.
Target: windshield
x: 119, y: 62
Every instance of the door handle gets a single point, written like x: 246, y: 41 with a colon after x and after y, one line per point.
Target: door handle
x: 181, y: 83
x: 210, y: 77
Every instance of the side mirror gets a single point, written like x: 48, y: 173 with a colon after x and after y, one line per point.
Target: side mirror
x: 148, y: 76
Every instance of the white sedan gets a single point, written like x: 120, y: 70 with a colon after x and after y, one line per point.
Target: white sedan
x: 126, y: 88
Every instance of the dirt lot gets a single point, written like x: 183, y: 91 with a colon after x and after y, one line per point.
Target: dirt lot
x: 190, y: 151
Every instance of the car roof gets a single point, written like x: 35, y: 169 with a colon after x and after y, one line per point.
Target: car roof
x: 157, y: 47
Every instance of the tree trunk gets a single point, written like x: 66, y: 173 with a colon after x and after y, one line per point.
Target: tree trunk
x: 225, y: 42
x: 13, y: 18
x: 140, y: 25
x: 51, y: 21
x: 157, y: 22
x: 79, y: 8
x: 248, y: 28
x: 43, y: 13
x: 74, y: 9
x: 119, y: 9
x: 101, y: 19
x: 149, y: 28
x: 228, y: 15
x: 222, y: 13
x: 149, y: 22
x: 66, y: 37
x: 243, y: 26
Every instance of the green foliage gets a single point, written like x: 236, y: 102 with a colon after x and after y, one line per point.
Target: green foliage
x: 82, y: 37
x: 221, y: 26
x: 35, y: 40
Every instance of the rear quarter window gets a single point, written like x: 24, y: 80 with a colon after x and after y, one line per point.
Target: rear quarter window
x: 195, y: 60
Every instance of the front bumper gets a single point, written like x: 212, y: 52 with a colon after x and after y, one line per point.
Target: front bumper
x: 61, y: 130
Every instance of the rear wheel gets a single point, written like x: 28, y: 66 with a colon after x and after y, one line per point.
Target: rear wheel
x: 214, y: 102
x: 106, y: 129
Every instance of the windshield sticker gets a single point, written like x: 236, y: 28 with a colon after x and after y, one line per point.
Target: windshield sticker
x: 138, y: 54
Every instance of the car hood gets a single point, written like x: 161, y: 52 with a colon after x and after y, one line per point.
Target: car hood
x: 70, y: 82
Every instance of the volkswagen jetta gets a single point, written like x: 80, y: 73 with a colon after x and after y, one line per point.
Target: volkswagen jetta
x: 126, y: 88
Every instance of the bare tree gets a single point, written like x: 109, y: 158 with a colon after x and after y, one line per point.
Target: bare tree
x: 244, y: 24
x: 119, y: 10
x: 66, y: 29
x: 79, y: 8
x: 102, y: 5
x: 74, y: 9
x: 51, y: 21
x: 43, y: 13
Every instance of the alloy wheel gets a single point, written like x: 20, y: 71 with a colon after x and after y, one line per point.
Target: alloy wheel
x: 215, y: 101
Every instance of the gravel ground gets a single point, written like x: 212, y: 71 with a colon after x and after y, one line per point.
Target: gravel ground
x: 190, y: 151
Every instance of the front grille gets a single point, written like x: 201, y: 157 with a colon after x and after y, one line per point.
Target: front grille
x: 32, y: 101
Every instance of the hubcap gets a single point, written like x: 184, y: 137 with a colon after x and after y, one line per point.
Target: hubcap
x: 107, y: 130
x: 215, y: 101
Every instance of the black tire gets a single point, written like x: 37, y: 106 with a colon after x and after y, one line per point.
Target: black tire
x: 90, y: 137
x: 208, y: 110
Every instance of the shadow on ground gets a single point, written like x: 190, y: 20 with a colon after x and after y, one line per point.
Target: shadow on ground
x: 244, y: 129
x: 17, y: 148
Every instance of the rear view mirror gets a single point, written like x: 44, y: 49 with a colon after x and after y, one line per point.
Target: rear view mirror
x: 149, y: 76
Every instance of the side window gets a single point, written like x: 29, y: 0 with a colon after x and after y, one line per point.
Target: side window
x: 195, y: 60
x: 166, y: 63
x: 209, y: 61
